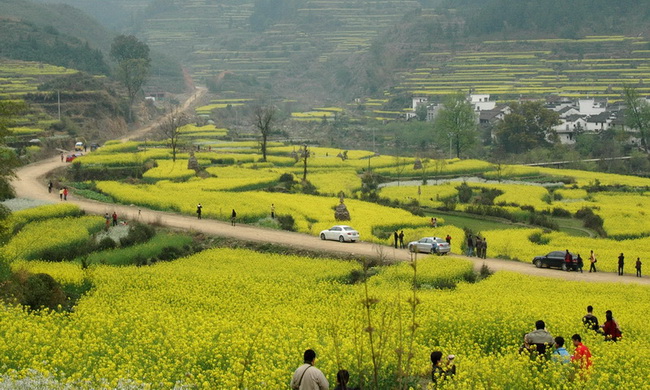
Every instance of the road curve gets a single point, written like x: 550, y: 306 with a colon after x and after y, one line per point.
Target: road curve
x: 30, y: 183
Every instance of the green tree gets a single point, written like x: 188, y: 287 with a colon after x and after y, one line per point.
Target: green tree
x: 529, y: 125
x: 637, y: 114
x: 8, y: 159
x: 133, y: 64
x: 456, y: 121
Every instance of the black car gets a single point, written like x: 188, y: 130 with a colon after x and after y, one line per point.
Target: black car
x: 555, y: 259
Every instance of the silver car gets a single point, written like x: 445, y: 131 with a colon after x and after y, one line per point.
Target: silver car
x: 430, y: 245
x: 342, y: 233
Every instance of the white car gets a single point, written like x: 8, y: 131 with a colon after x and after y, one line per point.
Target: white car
x: 342, y: 233
x: 430, y: 245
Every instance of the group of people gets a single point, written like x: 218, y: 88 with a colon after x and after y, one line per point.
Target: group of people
x: 540, y: 340
x: 576, y: 263
x: 199, y: 212
x: 110, y: 218
x: 398, y: 238
x: 308, y: 377
x: 477, y: 246
x: 609, y: 329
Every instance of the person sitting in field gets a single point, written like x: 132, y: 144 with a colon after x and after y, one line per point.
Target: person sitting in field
x: 610, y: 328
x: 440, y: 372
x: 560, y: 354
x: 582, y: 354
x: 539, y: 339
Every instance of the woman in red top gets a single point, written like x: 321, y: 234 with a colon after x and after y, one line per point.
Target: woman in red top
x: 610, y: 327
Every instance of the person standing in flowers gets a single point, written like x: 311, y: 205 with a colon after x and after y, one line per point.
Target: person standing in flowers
x: 621, y: 263
x: 308, y: 377
x: 342, y: 379
x: 448, y: 239
x: 233, y: 217
x: 582, y: 354
x: 638, y: 267
x: 440, y: 372
x: 590, y: 320
x: 199, y: 209
x: 272, y: 211
x: 592, y: 260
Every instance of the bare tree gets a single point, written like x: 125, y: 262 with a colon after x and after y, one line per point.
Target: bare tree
x: 170, y: 129
x: 263, y: 118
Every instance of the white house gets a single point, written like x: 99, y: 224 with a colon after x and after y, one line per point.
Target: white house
x: 417, y: 100
x: 568, y: 127
x: 481, y: 102
x: 592, y: 106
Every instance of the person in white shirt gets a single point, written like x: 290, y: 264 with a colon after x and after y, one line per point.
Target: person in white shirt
x: 308, y: 377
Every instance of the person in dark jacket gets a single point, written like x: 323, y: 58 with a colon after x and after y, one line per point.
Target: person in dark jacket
x: 233, y: 217
x: 199, y: 209
x: 590, y: 320
x: 401, y: 239
x: 580, y: 263
x: 396, y: 238
x: 440, y: 372
x: 568, y: 259
x: 638, y: 266
x: 621, y: 263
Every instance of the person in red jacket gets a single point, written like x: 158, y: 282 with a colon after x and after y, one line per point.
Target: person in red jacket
x: 582, y: 354
x: 568, y: 260
x: 610, y: 328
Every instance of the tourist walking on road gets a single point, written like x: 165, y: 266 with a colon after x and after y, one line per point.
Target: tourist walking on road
x: 484, y: 249
x: 638, y: 266
x: 108, y: 220
x: 396, y: 238
x: 61, y: 194
x: 479, y: 247
x: 65, y: 193
x: 233, y: 217
x: 199, y: 209
x: 114, y: 218
x: 448, y: 239
x: 621, y: 263
x: 308, y: 377
x: 49, y: 187
x: 470, y: 246
x: 272, y: 211
x: 592, y: 260
x: 401, y: 239
x: 580, y: 263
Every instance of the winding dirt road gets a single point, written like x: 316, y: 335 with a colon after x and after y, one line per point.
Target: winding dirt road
x: 30, y: 183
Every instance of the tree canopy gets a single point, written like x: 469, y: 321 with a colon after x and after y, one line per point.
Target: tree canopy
x: 133, y: 64
x: 456, y: 121
x: 637, y: 114
x: 529, y: 125
x: 8, y: 159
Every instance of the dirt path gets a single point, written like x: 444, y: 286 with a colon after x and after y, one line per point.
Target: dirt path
x: 30, y: 183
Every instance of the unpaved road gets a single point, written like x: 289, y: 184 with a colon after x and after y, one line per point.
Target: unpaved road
x: 30, y: 183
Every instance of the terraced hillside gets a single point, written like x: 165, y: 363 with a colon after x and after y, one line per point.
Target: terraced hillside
x: 595, y: 66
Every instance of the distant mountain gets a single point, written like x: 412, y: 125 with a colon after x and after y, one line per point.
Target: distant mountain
x: 562, y: 18
x: 25, y: 41
x: 39, y: 31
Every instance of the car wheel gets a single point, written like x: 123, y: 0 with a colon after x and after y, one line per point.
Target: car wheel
x: 322, y: 236
x: 538, y: 263
x: 341, y: 239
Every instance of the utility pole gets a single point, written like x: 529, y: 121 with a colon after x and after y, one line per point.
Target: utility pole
x: 58, y: 101
x: 450, y: 142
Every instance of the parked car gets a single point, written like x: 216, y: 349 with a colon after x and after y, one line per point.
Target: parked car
x: 341, y: 233
x: 430, y: 245
x: 71, y: 157
x: 555, y: 259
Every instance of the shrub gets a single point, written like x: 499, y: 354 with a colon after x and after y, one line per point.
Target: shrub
x: 138, y: 233
x: 543, y: 220
x: 287, y: 222
x: 464, y: 193
x: 41, y: 290
x: 560, y: 212
x: 539, y: 238
x: 106, y: 243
